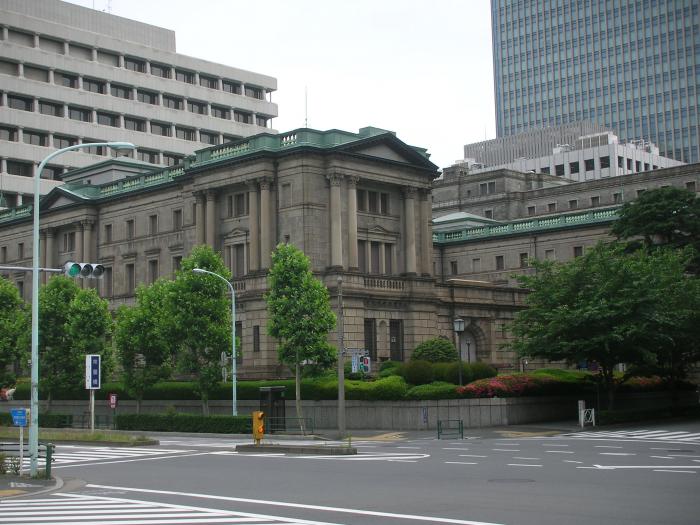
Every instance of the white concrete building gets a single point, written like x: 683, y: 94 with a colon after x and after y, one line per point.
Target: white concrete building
x: 70, y: 75
x: 590, y: 157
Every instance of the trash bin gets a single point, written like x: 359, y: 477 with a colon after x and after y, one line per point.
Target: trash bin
x: 272, y: 404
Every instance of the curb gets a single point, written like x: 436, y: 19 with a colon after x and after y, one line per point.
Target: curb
x: 297, y: 449
x: 58, y: 485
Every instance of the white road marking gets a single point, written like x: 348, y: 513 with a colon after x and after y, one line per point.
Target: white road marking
x: 455, y: 449
x: 416, y: 448
x: 678, y: 471
x: 572, y: 461
x: 606, y: 446
x: 638, y: 435
x: 471, y: 456
x: 411, y: 517
x: 617, y: 453
x: 506, y: 449
x: 616, y: 467
x: 129, y: 460
x: 551, y: 445
x: 527, y: 459
x: 661, y: 457
x: 559, y: 451
x: 459, y: 463
x: 683, y: 456
x: 522, y: 465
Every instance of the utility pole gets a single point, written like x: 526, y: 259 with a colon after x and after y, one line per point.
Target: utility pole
x: 341, y: 362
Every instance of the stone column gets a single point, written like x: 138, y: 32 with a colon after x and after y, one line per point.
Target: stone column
x: 352, y: 223
x: 79, y: 253
x: 50, y: 248
x: 199, y: 219
x: 265, y: 233
x: 410, y: 229
x: 211, y: 219
x: 426, y: 233
x: 87, y: 241
x: 42, y: 255
x: 334, y: 210
x: 254, y: 226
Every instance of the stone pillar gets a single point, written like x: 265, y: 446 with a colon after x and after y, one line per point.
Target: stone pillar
x: 211, y: 219
x: 254, y: 226
x: 199, y: 219
x: 94, y: 54
x: 36, y: 41
x: 87, y: 241
x: 50, y: 248
x: 20, y: 70
x: 426, y: 233
x: 334, y: 209
x: 265, y: 233
x: 3, y: 165
x: 410, y: 229
x: 352, y: 223
x: 42, y: 255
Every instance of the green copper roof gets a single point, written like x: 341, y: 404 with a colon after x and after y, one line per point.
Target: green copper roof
x: 565, y: 220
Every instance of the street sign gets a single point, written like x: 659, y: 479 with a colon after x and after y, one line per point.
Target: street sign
x: 113, y: 401
x: 92, y: 372
x: 355, y: 363
x: 19, y: 417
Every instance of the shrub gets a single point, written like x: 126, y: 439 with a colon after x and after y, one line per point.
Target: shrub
x: 435, y: 390
x: 436, y: 350
x: 481, y: 370
x: 184, y: 423
x: 388, y: 389
x: 417, y: 372
x: 449, y: 372
x: 509, y: 386
x: 386, y: 365
x: 441, y: 372
x: 5, y: 419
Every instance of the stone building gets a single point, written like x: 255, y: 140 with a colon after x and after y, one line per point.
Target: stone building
x: 359, y: 205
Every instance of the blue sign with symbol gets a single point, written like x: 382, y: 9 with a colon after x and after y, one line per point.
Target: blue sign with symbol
x: 92, y: 372
x: 19, y: 417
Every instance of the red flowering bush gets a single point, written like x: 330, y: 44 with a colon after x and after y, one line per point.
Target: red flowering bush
x: 511, y: 386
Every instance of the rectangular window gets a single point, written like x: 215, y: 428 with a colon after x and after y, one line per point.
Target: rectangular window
x: 107, y: 58
x: 3, y: 254
x: 388, y: 259
x: 629, y: 164
x: 492, y: 187
x: 185, y: 133
x: 147, y: 156
x: 232, y: 87
x: 620, y: 162
x: 690, y: 185
x: 240, y: 204
x: 605, y: 162
x: 361, y: 200
x: 261, y: 121
x: 130, y: 279
x: 177, y: 220
x: 483, y: 189
x: 578, y: 251
x: 590, y: 164
x: 254, y: 92
x: 500, y: 262
x: 130, y: 229
x: 161, y: 71
x: 617, y: 198
x: 23, y: 169
x: 595, y: 201
x: 573, y: 204
x: 373, y: 201
x: 375, y: 261
x: 134, y: 64
x: 531, y: 210
x: 171, y: 159
x: 256, y: 338
x: 476, y: 264
x: 20, y: 288
x: 35, y: 138
x: 396, y: 339
x: 152, y: 271
x: 20, y: 250
x: 35, y: 73
x: 149, y: 97
x: 197, y: 107
x: 523, y: 259
x: 164, y: 130
x: 639, y: 192
x: 545, y: 169
x: 65, y: 80
x: 245, y: 118
x: 49, y: 108
x: 453, y: 268
x: 69, y: 242
x: 384, y: 203
x: 135, y: 124
x: 120, y: 91
x: 370, y: 329
x: 108, y: 233
x: 8, y: 134
x: 108, y: 119
x: 221, y: 112
x: 637, y: 166
x: 559, y: 170
x: 551, y: 207
x: 362, y: 256
x: 209, y: 82
x: 107, y: 283
x: 63, y: 142
x: 94, y: 86
x: 184, y: 76
x: 82, y: 114
x: 238, y: 260
x: 152, y: 224
x: 23, y: 103
x: 209, y: 137
x: 573, y: 167
x: 172, y: 102
x: 549, y: 255
x: 488, y: 214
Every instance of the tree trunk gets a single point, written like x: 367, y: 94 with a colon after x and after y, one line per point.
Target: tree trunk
x: 297, y: 388
x: 205, y: 406
x: 138, y: 405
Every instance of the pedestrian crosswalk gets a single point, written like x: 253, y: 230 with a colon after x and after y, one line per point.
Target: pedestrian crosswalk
x: 65, y: 509
x: 379, y: 456
x: 69, y: 454
x: 646, y: 435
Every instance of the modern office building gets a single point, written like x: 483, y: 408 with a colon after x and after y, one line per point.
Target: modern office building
x: 595, y: 156
x: 630, y: 65
x: 71, y: 75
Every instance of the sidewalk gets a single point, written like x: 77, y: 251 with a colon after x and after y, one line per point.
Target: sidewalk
x: 18, y: 487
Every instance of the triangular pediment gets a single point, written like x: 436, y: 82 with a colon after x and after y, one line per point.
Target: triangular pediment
x: 236, y: 232
x: 57, y: 198
x: 388, y: 147
x: 379, y: 230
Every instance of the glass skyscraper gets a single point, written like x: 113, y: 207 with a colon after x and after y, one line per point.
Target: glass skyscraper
x: 632, y: 65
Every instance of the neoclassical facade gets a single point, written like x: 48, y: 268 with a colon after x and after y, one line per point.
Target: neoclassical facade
x: 358, y: 205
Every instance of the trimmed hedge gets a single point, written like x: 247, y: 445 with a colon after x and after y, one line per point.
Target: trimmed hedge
x: 519, y: 385
x: 436, y: 390
x: 435, y: 350
x: 392, y: 388
x: 184, y: 423
x: 5, y: 419
x: 417, y: 372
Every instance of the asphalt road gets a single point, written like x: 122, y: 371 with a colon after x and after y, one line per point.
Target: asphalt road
x: 509, y: 476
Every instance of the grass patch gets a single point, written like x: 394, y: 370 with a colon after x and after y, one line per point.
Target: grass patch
x: 79, y: 435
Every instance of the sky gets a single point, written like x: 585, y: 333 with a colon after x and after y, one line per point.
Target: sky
x: 420, y: 68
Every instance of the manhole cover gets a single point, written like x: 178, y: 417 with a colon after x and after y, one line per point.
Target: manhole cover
x: 511, y: 480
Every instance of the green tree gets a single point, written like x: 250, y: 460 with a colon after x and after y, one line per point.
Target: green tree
x: 14, y: 331
x: 436, y: 350
x: 200, y: 312
x: 300, y: 314
x: 143, y: 340
x: 607, y: 306
x: 89, y: 328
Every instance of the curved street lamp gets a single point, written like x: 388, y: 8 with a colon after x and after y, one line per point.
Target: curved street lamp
x: 233, y: 334
x: 34, y: 406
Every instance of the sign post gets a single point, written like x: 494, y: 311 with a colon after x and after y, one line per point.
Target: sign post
x: 19, y: 419
x: 92, y: 382
x: 113, y: 398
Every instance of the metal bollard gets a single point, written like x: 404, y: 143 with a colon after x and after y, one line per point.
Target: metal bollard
x: 50, y: 448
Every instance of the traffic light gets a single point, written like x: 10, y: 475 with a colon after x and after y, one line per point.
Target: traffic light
x: 258, y: 426
x: 83, y: 270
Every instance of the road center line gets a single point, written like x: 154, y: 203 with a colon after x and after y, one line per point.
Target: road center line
x: 506, y: 449
x: 530, y: 459
x: 559, y: 451
x: 471, y: 456
x: 678, y: 471
x: 459, y: 463
x: 617, y: 453
x: 609, y: 446
x: 300, y: 506
x: 522, y: 465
